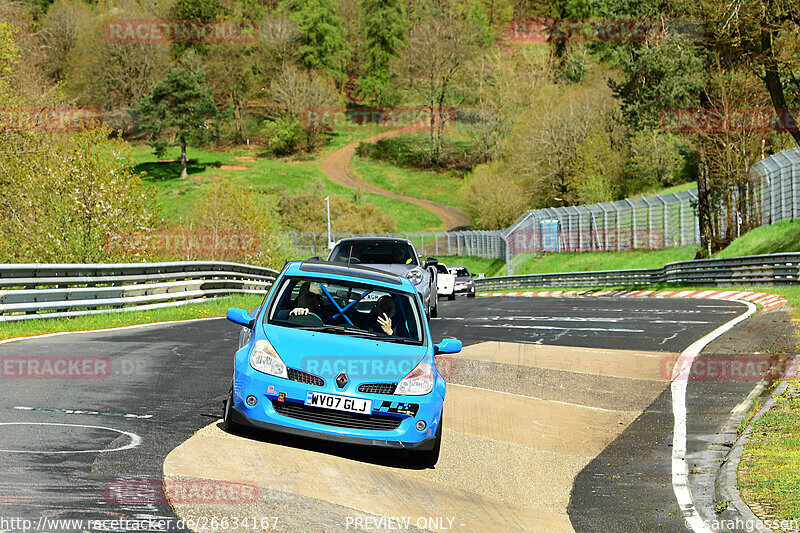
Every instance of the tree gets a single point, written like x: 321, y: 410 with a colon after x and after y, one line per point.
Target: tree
x: 231, y: 72
x: 544, y: 147
x: 660, y: 75
x: 107, y: 74
x: 442, y: 42
x: 62, y: 193
x: 385, y: 26
x: 323, y: 43
x: 246, y: 223
x: 64, y: 24
x: 763, y: 33
x: 179, y: 110
x: 491, y: 199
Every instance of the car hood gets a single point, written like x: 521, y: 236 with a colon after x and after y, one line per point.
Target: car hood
x: 395, y: 268
x: 327, y: 354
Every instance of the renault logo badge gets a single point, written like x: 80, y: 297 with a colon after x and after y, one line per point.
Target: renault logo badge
x: 341, y: 380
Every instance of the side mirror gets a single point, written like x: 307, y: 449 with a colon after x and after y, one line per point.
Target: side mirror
x: 315, y: 258
x: 431, y: 261
x: 239, y: 316
x: 447, y: 346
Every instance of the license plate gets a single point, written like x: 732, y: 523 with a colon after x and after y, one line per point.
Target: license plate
x: 339, y: 403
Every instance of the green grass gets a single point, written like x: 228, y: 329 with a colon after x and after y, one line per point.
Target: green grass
x: 769, y: 472
x: 476, y: 265
x: 211, y: 308
x: 689, y: 185
x: 783, y: 236
x: 176, y: 195
x: 441, y: 188
x: 589, y: 261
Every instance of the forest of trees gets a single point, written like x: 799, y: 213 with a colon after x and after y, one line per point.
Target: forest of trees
x: 547, y: 121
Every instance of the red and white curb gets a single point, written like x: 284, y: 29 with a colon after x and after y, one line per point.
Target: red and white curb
x: 767, y: 301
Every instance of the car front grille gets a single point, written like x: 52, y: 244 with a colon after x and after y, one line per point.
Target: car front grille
x: 305, y: 377
x: 341, y: 419
x: 377, y: 388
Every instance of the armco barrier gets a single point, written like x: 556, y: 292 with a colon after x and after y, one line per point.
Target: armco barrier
x: 47, y: 291
x: 772, y: 269
x: 30, y: 291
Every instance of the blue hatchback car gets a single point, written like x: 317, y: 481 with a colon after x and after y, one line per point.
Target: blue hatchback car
x: 342, y: 353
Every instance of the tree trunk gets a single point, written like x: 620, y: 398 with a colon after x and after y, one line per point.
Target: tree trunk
x: 184, y: 172
x: 238, y: 118
x: 704, y: 207
x: 772, y: 79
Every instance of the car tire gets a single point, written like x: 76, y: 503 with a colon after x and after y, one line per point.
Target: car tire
x: 471, y: 295
x: 429, y: 458
x: 451, y: 297
x: 435, y: 308
x: 227, y: 417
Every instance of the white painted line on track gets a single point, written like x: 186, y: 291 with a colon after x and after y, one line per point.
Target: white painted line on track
x: 135, y: 439
x: 680, y: 381
x: 520, y: 326
x: 539, y: 399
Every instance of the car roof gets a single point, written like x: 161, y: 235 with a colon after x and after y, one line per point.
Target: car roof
x: 340, y: 271
x: 376, y: 239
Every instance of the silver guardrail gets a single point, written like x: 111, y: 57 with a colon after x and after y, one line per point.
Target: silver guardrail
x: 29, y: 291
x: 771, y: 269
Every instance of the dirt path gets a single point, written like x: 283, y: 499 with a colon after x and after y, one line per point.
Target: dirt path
x: 336, y: 166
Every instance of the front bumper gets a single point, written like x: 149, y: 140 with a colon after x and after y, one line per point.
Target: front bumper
x: 267, y: 389
x: 240, y: 418
x: 469, y: 289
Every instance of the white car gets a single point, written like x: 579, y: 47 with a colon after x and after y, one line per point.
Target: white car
x: 445, y: 282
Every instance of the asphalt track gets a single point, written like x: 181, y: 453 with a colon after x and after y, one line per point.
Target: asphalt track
x: 557, y: 417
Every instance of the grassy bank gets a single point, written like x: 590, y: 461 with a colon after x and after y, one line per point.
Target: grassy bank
x: 175, y: 195
x: 769, y: 472
x: 441, y: 188
x: 207, y: 309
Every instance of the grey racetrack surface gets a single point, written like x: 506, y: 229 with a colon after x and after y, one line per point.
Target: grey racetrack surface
x: 168, y: 381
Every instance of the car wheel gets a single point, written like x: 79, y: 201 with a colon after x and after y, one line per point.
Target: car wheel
x: 471, y: 295
x: 435, y: 308
x: 227, y: 418
x: 451, y: 297
x: 429, y: 458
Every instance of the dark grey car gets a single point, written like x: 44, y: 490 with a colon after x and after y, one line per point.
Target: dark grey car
x: 393, y: 255
x: 464, y: 283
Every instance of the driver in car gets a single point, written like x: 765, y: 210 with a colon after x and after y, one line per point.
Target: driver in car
x: 380, y: 316
x: 309, y: 299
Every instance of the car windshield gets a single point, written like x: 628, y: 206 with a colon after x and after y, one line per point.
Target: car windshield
x: 376, y: 252
x: 459, y: 272
x: 345, y: 308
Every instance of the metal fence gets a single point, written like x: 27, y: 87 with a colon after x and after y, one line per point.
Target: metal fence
x: 655, y: 222
x: 61, y: 290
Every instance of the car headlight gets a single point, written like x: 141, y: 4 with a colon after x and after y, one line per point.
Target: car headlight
x: 265, y: 359
x: 418, y: 382
x: 415, y: 276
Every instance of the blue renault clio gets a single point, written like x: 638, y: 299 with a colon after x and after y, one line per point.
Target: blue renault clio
x: 342, y: 353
